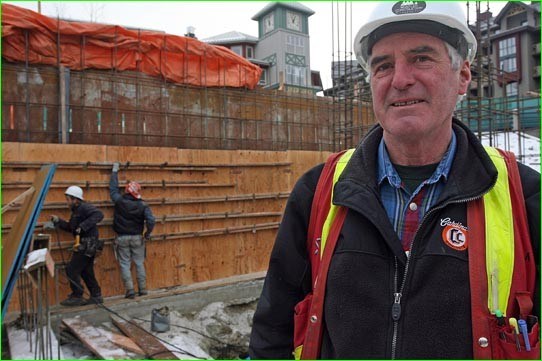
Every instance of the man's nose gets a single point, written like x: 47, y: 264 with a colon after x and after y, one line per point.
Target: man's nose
x: 403, y: 76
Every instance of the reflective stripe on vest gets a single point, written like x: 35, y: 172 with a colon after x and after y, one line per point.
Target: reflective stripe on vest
x: 499, y: 231
x: 341, y: 164
x: 499, y: 237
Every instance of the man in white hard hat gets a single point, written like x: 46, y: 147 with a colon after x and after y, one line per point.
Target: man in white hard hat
x: 398, y: 279
x: 82, y: 224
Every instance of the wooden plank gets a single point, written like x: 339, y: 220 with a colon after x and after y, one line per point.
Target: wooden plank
x: 122, y: 341
x: 16, y: 244
x: 95, y: 340
x: 153, y: 348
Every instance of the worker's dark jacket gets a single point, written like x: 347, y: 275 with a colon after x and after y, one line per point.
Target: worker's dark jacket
x: 85, y: 216
x: 368, y: 265
x: 130, y: 213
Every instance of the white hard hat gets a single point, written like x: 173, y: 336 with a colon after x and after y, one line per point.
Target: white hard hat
x: 444, y: 20
x: 75, y: 192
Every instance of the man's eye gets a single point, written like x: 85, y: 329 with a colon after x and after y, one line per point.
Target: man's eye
x: 382, y: 68
x: 421, y: 59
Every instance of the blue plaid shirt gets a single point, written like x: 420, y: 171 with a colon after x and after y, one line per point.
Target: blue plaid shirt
x: 406, y: 210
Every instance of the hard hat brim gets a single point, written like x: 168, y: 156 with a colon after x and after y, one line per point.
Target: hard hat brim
x: 435, y: 12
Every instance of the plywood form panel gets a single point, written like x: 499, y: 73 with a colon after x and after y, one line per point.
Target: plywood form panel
x: 187, y: 260
x: 302, y: 161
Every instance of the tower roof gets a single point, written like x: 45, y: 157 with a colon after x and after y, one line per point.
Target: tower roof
x: 289, y: 5
x: 231, y: 37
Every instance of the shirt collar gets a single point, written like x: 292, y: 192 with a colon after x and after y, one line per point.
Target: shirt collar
x: 387, y: 171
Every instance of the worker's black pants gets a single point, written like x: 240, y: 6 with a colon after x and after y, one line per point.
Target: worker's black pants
x: 82, y: 266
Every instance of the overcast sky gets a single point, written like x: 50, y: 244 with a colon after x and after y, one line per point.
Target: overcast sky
x: 214, y: 18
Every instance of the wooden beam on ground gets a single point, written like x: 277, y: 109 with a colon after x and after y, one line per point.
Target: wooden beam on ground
x: 93, y: 338
x: 122, y: 341
x: 153, y: 348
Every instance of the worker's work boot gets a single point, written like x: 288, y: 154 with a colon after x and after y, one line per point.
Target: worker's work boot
x: 73, y: 301
x: 130, y: 294
x: 143, y: 292
x: 95, y: 300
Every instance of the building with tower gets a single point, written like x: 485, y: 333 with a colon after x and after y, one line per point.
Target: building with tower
x: 282, y: 48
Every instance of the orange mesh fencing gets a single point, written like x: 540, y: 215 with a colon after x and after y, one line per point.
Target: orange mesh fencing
x: 38, y: 39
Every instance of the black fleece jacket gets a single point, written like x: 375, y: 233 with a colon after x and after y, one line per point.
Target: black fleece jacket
x: 85, y: 216
x: 435, y: 321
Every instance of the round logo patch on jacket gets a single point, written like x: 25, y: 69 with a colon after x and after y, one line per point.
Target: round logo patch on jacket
x: 454, y: 234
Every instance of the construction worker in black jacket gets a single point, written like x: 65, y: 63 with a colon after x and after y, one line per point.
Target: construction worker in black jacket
x: 129, y: 220
x: 83, y: 225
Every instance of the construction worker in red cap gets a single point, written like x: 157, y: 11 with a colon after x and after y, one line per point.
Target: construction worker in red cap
x: 130, y: 218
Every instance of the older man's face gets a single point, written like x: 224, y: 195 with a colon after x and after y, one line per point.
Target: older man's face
x: 414, y: 86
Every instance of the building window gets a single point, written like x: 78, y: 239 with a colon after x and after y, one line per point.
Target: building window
x: 295, y: 45
x: 237, y: 49
x: 295, y: 75
x: 516, y: 20
x: 250, y: 52
x: 507, y: 55
x: 511, y: 89
x: 263, y: 77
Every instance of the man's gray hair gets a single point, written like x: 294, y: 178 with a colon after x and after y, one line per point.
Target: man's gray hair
x: 456, y: 60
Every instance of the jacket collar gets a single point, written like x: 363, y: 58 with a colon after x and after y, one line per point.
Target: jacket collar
x: 386, y: 170
x: 472, y: 173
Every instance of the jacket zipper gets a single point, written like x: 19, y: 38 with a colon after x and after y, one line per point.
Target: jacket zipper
x: 396, y: 306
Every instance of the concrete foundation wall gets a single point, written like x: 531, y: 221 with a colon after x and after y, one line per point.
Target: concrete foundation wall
x: 46, y: 104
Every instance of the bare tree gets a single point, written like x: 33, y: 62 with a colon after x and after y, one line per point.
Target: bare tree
x: 61, y: 9
x: 95, y: 11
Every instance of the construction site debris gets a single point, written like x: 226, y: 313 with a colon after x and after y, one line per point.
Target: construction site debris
x: 160, y: 319
x: 98, y: 342
x: 153, y: 348
x: 20, y: 347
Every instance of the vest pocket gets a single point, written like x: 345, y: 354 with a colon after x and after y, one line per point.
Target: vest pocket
x: 506, y: 346
x: 301, y: 320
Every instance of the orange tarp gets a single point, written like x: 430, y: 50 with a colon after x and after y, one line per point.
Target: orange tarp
x: 27, y: 35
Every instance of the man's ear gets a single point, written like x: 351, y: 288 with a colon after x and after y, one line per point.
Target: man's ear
x: 464, y: 78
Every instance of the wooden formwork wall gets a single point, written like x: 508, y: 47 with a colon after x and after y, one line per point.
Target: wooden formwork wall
x: 217, y: 212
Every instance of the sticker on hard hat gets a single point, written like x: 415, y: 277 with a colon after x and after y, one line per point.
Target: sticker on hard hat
x: 408, y: 7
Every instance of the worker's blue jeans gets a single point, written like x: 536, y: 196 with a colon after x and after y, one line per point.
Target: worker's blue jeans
x: 131, y: 248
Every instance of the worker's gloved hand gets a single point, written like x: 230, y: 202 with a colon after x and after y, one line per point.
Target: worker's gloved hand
x: 116, y: 166
x: 55, y: 219
x: 147, y: 236
x: 48, y: 226
x: 78, y: 231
